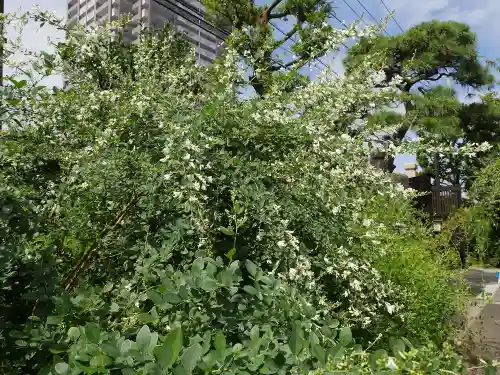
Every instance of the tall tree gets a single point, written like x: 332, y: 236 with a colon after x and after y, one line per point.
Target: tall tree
x: 308, y: 35
x: 424, y: 54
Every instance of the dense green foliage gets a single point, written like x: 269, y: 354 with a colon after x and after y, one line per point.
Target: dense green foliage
x: 480, y: 220
x: 153, y: 222
x: 425, y: 54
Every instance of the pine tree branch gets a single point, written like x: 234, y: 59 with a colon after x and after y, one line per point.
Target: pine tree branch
x: 273, y: 5
x: 278, y: 15
x: 287, y: 36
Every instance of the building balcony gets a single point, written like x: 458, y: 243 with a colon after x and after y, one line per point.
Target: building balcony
x: 73, y: 10
x: 102, y: 10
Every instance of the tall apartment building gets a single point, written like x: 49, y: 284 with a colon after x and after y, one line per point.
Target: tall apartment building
x: 187, y: 16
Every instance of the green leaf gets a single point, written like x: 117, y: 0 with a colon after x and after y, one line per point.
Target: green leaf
x: 172, y: 298
x: 254, y: 333
x: 191, y: 357
x: 198, y: 265
x: 345, y: 336
x: 334, y: 323
x: 251, y: 267
x: 336, y: 352
x: 295, y: 342
x: 327, y: 332
x: 168, y: 353
x: 250, y: 290
x: 143, y: 338
x: 62, y: 368
x: 208, y: 284
x: 220, y: 342
x: 59, y: 348
x: 155, y: 297
x: 20, y: 84
x: 230, y: 254
x: 54, y: 320
x: 107, y: 288
x: 125, y: 347
x: 93, y: 332
x: 111, y: 350
x: 13, y: 102
x: 227, y: 231
x: 319, y: 353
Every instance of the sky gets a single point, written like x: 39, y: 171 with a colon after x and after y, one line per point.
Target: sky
x: 481, y: 15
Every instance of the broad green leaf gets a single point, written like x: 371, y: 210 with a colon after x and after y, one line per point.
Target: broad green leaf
x: 327, y: 332
x: 62, y: 368
x: 250, y: 290
x: 207, y: 339
x: 254, y: 333
x: 227, y: 231
x: 334, y: 323
x: 172, y: 298
x: 191, y: 357
x: 336, y: 352
x: 58, y: 348
x: 251, y: 267
x: 125, y: 346
x: 220, y: 342
x: 155, y: 297
x: 21, y: 84
x: 93, y: 332
x: 319, y: 353
x: 345, y: 336
x: 208, y: 284
x: 168, y: 353
x: 107, y: 288
x: 53, y: 320
x: 111, y: 350
x: 13, y: 102
x: 143, y: 338
x: 295, y: 342
x: 313, y: 339
x: 74, y: 333
x: 198, y: 265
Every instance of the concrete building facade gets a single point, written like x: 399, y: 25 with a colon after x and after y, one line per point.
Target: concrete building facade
x: 187, y: 16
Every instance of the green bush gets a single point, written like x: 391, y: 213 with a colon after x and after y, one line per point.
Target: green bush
x: 173, y: 226
x: 478, y: 220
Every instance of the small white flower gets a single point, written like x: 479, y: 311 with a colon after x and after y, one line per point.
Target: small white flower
x: 391, y: 364
x: 281, y: 244
x: 390, y: 308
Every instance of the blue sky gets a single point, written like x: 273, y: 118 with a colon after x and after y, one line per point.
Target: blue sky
x: 481, y: 15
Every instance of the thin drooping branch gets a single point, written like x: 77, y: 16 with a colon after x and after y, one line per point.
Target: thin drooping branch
x: 90, y: 255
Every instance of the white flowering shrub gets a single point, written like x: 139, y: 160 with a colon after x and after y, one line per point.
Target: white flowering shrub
x: 180, y: 228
